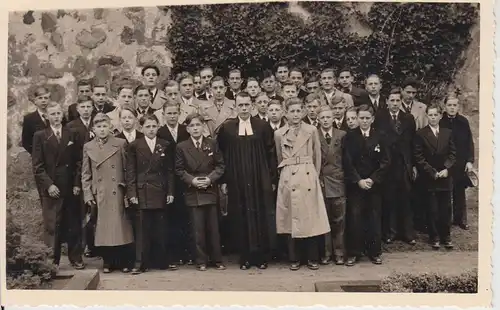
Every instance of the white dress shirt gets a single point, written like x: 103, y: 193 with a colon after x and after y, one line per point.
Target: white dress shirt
x: 263, y: 117
x: 330, y: 132
x: 435, y: 130
x: 245, y: 127
x: 376, y: 99
x: 130, y: 136
x: 151, y: 143
x: 86, y: 123
x: 43, y: 116
x: 365, y: 133
x: 200, y: 141
x: 275, y: 126
x: 339, y: 122
x: 174, y: 131
x: 57, y: 131
x: 187, y: 101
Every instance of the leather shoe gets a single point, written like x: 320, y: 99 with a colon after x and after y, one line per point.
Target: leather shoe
x: 412, y: 242
x: 173, y: 267
x: 294, y: 266
x: 136, y: 271
x: 325, y: 261
x: 106, y: 270
x: 376, y: 260
x: 220, y: 266
x: 339, y: 261
x: 78, y: 266
x: 312, y: 265
x: 448, y: 245
x: 351, y: 261
x: 388, y: 241
x: 262, y: 266
x: 464, y: 226
x: 125, y: 270
x: 202, y: 267
x: 245, y: 266
x: 436, y: 245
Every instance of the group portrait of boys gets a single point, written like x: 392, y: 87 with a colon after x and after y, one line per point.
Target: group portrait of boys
x: 294, y: 166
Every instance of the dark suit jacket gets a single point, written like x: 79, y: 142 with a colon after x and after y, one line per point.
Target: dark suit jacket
x: 464, y: 144
x: 229, y: 94
x: 192, y: 162
x: 282, y: 123
x: 306, y: 120
x: 302, y: 94
x: 332, y: 164
x: 73, y: 113
x: 277, y: 97
x: 32, y: 123
x: 165, y: 134
x: 359, y: 96
x: 382, y: 104
x: 149, y: 111
x: 56, y: 163
x: 433, y: 155
x: 83, y: 133
x: 138, y: 135
x: 343, y: 125
x: 150, y: 176
x: 365, y: 158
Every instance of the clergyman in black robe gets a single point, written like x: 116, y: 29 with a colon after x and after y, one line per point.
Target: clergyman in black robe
x: 248, y: 149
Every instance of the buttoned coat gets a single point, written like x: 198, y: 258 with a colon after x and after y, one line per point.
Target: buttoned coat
x: 332, y: 164
x: 191, y: 162
x: 300, y: 208
x: 103, y: 181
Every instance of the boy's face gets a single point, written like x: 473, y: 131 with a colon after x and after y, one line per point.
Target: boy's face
x: 351, y: 119
x: 127, y: 120
x: 327, y: 81
x: 172, y: 94
x: 295, y: 113
x: 282, y: 74
x: 206, y: 76
x: 171, y: 115
x: 99, y: 95
x: 150, y: 128
x: 312, y: 87
x: 150, y: 77
x: 434, y: 117
x: 85, y: 109
x: 84, y: 90
x: 339, y: 110
x: 394, y: 102
x: 42, y: 100
x: 373, y: 85
x: 102, y: 129
x: 345, y: 79
x: 269, y: 84
x: 55, y: 115
x: 125, y: 96
x: 218, y: 90
x: 297, y: 78
x: 451, y: 107
x: 326, y: 120
x: 409, y: 93
x: 235, y: 81
x: 275, y: 112
x: 143, y: 98
x: 312, y: 108
x: 198, y: 85
x: 195, y: 128
x: 365, y: 119
x: 186, y: 88
x: 253, y: 88
x: 262, y: 102
x: 289, y: 91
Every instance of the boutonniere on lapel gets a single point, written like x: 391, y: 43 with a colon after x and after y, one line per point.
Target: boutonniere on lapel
x: 159, y: 150
x: 206, y: 149
x: 91, y: 134
x: 70, y: 143
x: 377, y: 148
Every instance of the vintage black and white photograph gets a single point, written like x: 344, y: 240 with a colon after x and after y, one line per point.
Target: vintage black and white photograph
x: 275, y: 146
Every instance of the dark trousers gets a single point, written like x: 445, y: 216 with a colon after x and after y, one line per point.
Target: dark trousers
x: 363, y: 225
x: 332, y: 243
x: 439, y: 216
x: 397, y: 215
x: 206, y: 234
x: 303, y: 249
x: 420, y: 205
x: 150, y: 245
x: 459, y: 206
x: 180, y: 238
x: 115, y: 257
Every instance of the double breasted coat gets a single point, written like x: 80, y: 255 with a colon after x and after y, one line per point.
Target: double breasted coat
x: 332, y: 164
x: 103, y: 181
x: 214, y: 118
x: 300, y: 208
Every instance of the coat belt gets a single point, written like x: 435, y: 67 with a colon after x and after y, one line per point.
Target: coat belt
x: 295, y: 161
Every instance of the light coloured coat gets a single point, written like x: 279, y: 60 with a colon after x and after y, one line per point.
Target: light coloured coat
x: 300, y: 208
x: 215, y: 118
x: 103, y: 181
x: 418, y: 111
x: 323, y: 99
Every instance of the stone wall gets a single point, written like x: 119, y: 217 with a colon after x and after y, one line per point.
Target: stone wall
x: 57, y: 48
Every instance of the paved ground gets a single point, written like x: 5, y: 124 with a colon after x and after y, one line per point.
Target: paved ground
x: 279, y: 278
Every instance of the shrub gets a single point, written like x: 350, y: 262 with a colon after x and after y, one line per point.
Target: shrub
x: 431, y: 283
x: 426, y: 40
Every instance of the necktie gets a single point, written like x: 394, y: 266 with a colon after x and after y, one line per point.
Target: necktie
x: 337, y: 124
x: 275, y: 128
x: 436, y: 133
x: 375, y: 104
x: 45, y: 120
x: 174, y: 134
x: 328, y: 138
x: 151, y: 94
x: 58, y: 136
x: 198, y: 145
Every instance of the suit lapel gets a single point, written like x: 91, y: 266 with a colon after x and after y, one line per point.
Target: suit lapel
x: 65, y: 138
x: 431, y: 138
x: 196, y: 154
x: 108, y: 150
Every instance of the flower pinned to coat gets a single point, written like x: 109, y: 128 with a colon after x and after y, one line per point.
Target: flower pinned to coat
x: 206, y: 148
x: 159, y: 149
x: 377, y: 148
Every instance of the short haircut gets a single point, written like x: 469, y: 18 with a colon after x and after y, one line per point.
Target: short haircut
x: 170, y: 83
x: 312, y: 79
x: 324, y: 108
x: 206, y: 68
x: 261, y: 94
x: 242, y: 94
x: 345, y: 69
x: 276, y: 101
x: 395, y: 91
x: 365, y: 108
x: 434, y: 106
x: 410, y: 82
x: 83, y: 83
x: 127, y: 86
x: 192, y: 116
x: 83, y: 98
x: 184, y: 75
x: 99, y: 86
x: 139, y: 88
x: 234, y: 71
x: 157, y: 70
x: 168, y: 104
x: 150, y: 117
x: 129, y: 108
x: 217, y: 79
x: 293, y: 101
x: 53, y: 104
x: 280, y: 63
x: 252, y: 79
x: 100, y: 118
x: 328, y: 70
x: 41, y: 90
x: 296, y: 69
x: 373, y: 76
x: 266, y: 74
x: 288, y: 83
x: 352, y: 109
x: 337, y: 100
x: 311, y: 97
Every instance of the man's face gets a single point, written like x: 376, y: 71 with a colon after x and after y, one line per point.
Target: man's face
x: 102, y: 129
x: 218, y: 90
x: 125, y: 96
x: 235, y: 81
x: 253, y: 88
x: 172, y: 94
x: 275, y: 113
x: 289, y: 91
x: 206, y: 76
x: 171, y: 115
x: 195, y: 128
x: 394, y: 102
x: 295, y: 113
x: 150, y: 77
x: 84, y: 90
x: 312, y: 109
x: 373, y: 86
x: 339, y: 110
x: 345, y: 79
x: 269, y: 84
x: 150, y: 128
x: 198, y: 85
x: 42, y: 100
x: 85, y: 109
x: 434, y: 117
x: 55, y: 115
x: 326, y: 119
x: 186, y: 88
x: 143, y: 98
x: 365, y: 119
x: 243, y: 106
x: 127, y: 120
x: 451, y: 107
x: 262, y: 102
x: 327, y: 81
x: 312, y: 87
x: 297, y: 78
x: 282, y: 74
x: 409, y: 93
x: 99, y: 96
x: 351, y: 119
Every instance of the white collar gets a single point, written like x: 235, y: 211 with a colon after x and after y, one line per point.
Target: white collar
x: 41, y: 114
x: 339, y: 120
x: 129, y: 135
x: 275, y: 125
x: 312, y: 121
x: 245, y: 127
x: 262, y: 116
x: 434, y: 129
x: 150, y: 141
x: 56, y: 129
x: 86, y: 123
x: 173, y: 128
x: 200, y: 140
x: 373, y: 99
x: 330, y: 132
x: 187, y: 101
x: 365, y: 133
x: 392, y: 113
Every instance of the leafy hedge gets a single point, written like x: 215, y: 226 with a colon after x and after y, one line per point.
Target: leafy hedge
x: 431, y: 283
x: 426, y: 40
